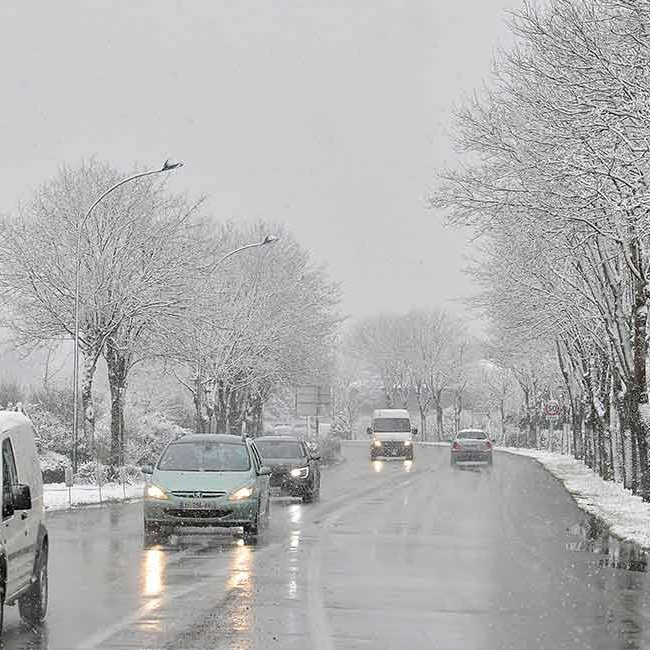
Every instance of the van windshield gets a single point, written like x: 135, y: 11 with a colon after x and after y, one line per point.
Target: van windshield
x: 392, y: 425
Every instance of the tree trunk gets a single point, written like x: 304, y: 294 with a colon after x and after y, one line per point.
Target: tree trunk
x: 235, y: 412
x: 118, y: 367
x: 502, y: 413
x: 221, y: 408
x: 89, y: 365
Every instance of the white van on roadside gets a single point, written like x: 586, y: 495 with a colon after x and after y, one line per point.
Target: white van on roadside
x: 23, y: 538
x: 391, y: 434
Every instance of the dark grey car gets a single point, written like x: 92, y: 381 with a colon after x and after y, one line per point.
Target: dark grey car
x: 471, y: 445
x: 295, y: 470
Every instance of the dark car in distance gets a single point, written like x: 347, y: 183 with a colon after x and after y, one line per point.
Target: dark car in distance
x: 471, y: 445
x: 295, y: 470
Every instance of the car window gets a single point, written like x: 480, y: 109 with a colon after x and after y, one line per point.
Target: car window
x: 471, y: 435
x: 287, y: 449
x: 202, y: 456
x: 9, y: 475
x: 256, y: 457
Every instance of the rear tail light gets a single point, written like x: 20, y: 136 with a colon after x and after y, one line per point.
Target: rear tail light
x: 456, y: 445
x: 488, y: 444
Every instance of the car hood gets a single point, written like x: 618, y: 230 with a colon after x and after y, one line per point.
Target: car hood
x: 285, y: 463
x: 201, y: 481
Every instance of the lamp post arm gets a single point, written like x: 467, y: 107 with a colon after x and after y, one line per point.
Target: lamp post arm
x: 214, y: 265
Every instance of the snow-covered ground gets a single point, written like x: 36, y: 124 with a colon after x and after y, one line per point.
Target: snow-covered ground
x: 626, y: 514
x: 57, y: 497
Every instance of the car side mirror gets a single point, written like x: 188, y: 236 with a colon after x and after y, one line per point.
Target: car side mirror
x: 369, y: 431
x: 147, y: 469
x: 316, y: 456
x: 264, y: 471
x: 414, y: 431
x: 21, y: 497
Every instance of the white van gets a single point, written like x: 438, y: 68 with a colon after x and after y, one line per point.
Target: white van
x: 391, y: 434
x: 23, y: 536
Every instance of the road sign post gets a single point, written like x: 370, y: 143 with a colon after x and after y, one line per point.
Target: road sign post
x: 552, y: 410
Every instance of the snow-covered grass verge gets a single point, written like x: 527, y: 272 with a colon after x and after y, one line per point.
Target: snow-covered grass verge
x: 56, y: 496
x: 627, y: 515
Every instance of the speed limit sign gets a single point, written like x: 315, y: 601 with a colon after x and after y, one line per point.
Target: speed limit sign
x: 552, y: 408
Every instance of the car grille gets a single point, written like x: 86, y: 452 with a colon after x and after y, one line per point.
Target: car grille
x: 391, y: 447
x: 198, y: 494
x: 197, y: 514
x: 278, y: 478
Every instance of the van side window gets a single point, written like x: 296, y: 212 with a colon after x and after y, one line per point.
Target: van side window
x: 9, y: 477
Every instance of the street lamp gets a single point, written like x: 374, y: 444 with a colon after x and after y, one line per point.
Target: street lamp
x: 166, y: 167
x: 269, y: 239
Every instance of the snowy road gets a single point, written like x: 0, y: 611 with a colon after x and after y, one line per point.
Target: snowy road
x: 392, y: 557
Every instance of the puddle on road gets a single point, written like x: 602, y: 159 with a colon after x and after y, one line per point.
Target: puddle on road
x: 591, y: 535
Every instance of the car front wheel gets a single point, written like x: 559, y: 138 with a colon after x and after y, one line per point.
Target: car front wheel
x: 33, y: 605
x: 253, y: 528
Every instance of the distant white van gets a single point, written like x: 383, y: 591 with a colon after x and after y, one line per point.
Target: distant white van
x: 391, y: 434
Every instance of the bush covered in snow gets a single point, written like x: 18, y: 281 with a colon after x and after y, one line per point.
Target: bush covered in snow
x: 53, y: 466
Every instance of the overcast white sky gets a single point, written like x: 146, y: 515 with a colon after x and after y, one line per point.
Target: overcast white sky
x: 329, y: 116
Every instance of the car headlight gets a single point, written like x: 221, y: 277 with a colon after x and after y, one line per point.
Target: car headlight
x: 377, y: 443
x: 154, y: 492
x: 407, y: 443
x: 243, y: 493
x: 300, y: 472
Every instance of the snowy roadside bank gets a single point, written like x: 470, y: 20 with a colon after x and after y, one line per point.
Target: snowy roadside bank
x: 627, y: 516
x: 57, y: 497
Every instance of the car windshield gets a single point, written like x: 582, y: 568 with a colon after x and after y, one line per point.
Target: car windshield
x: 280, y: 449
x: 392, y: 425
x: 472, y: 435
x: 205, y: 457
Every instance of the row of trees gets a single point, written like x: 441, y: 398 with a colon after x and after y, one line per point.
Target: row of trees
x: 556, y: 183
x: 424, y: 356
x: 153, y: 291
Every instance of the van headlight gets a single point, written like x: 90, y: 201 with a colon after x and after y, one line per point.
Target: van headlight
x: 407, y: 443
x: 154, y: 492
x: 245, y: 492
x: 300, y: 472
x: 377, y: 443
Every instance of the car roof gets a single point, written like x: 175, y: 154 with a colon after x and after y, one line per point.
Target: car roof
x: 230, y: 438
x: 472, y: 431
x: 277, y: 438
x: 13, y: 419
x: 390, y: 413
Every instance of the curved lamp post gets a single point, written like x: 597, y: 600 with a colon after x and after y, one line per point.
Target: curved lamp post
x: 269, y: 239
x: 167, y: 166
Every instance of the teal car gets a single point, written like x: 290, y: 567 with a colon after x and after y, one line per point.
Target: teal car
x: 206, y: 481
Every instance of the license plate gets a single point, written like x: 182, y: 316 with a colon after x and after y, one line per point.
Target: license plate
x: 194, y: 505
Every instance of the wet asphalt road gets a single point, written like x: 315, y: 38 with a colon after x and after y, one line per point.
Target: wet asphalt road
x: 395, y: 555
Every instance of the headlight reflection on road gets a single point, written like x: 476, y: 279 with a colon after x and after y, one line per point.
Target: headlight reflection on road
x: 154, y: 566
x: 378, y: 465
x: 292, y: 585
x: 240, y: 586
x: 295, y: 513
x: 407, y: 465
